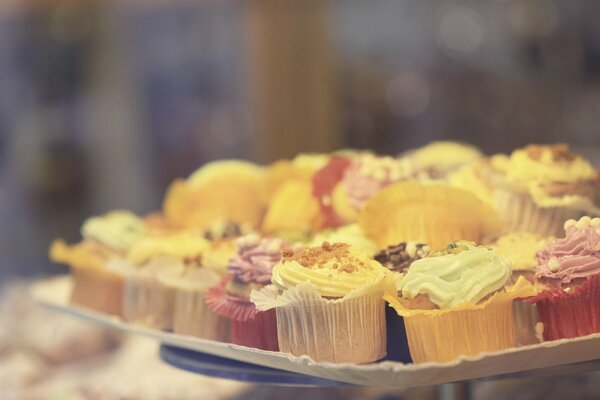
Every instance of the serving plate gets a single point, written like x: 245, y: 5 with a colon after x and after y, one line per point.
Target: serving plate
x: 561, y: 356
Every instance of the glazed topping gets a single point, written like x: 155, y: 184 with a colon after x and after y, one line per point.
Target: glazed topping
x: 334, y: 269
x: 368, y: 174
x: 520, y: 248
x: 184, y: 246
x: 255, y: 258
x: 577, y: 255
x: 454, y: 279
x: 351, y: 234
x: 548, y: 163
x: 399, y: 257
x: 118, y: 230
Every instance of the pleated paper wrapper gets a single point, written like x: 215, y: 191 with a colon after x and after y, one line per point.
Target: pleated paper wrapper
x: 570, y: 314
x: 521, y: 213
x: 54, y: 293
x: 249, y: 327
x: 443, y: 335
x: 191, y: 316
x: 350, y: 329
x: 146, y: 300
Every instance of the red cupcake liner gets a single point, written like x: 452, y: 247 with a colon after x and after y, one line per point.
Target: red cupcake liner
x: 570, y: 314
x: 324, y: 182
x: 260, y: 332
x: 249, y: 327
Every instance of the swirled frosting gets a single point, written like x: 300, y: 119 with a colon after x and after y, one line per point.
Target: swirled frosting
x: 255, y: 259
x: 368, y: 174
x: 454, y: 279
x: 334, y: 269
x: 118, y: 230
x: 577, y: 255
x: 181, y: 246
x: 520, y: 248
x: 549, y: 163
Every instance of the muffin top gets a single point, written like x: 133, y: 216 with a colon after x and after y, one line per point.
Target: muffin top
x: 576, y: 256
x: 255, y: 259
x: 184, y: 245
x: 463, y: 274
x: 118, y: 230
x: 520, y: 248
x: 335, y: 269
x: 441, y: 157
x: 548, y: 163
x: 368, y: 174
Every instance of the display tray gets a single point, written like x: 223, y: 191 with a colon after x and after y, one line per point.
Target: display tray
x: 571, y: 355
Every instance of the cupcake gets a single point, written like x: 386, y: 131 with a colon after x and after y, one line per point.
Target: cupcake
x: 463, y: 293
x: 324, y: 182
x: 398, y: 258
x: 367, y: 175
x: 439, y: 159
x: 250, y: 269
x: 477, y: 177
x: 95, y: 285
x: 570, y: 266
x: 222, y: 236
x: 149, y: 293
x: 221, y: 190
x: 431, y: 213
x: 542, y: 186
x: 329, y: 303
x: 190, y: 315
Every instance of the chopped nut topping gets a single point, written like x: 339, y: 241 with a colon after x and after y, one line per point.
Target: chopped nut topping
x: 313, y: 256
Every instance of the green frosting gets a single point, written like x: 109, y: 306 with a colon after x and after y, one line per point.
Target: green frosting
x: 118, y: 230
x: 451, y: 280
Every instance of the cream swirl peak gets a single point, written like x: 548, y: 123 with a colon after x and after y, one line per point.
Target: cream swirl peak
x: 368, y: 174
x: 451, y: 280
x: 255, y: 258
x: 335, y: 269
x: 575, y: 256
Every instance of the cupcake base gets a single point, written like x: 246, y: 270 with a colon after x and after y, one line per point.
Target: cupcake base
x: 192, y: 317
x: 147, y: 301
x: 259, y: 332
x: 570, y: 314
x: 98, y: 290
x: 520, y: 213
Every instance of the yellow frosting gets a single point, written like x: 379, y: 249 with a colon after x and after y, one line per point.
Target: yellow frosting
x: 545, y: 165
x: 218, y: 255
x: 444, y: 155
x: 181, y: 245
x: 520, y: 249
x: 336, y: 277
x: 455, y: 279
x: 350, y: 234
x: 468, y: 177
x: 118, y: 230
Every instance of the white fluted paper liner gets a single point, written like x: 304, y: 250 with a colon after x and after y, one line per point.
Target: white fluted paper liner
x: 520, y: 213
x: 350, y: 329
x: 191, y: 316
x: 146, y: 300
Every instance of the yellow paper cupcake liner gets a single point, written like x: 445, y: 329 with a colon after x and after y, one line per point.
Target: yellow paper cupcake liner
x: 431, y: 213
x: 443, y: 335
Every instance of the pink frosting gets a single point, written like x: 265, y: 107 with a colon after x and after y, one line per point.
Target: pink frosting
x: 361, y: 187
x: 577, y: 254
x: 255, y: 259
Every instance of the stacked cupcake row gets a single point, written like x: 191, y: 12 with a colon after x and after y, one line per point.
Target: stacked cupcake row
x: 351, y: 256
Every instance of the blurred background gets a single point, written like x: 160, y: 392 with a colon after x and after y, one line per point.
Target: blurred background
x: 103, y: 103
